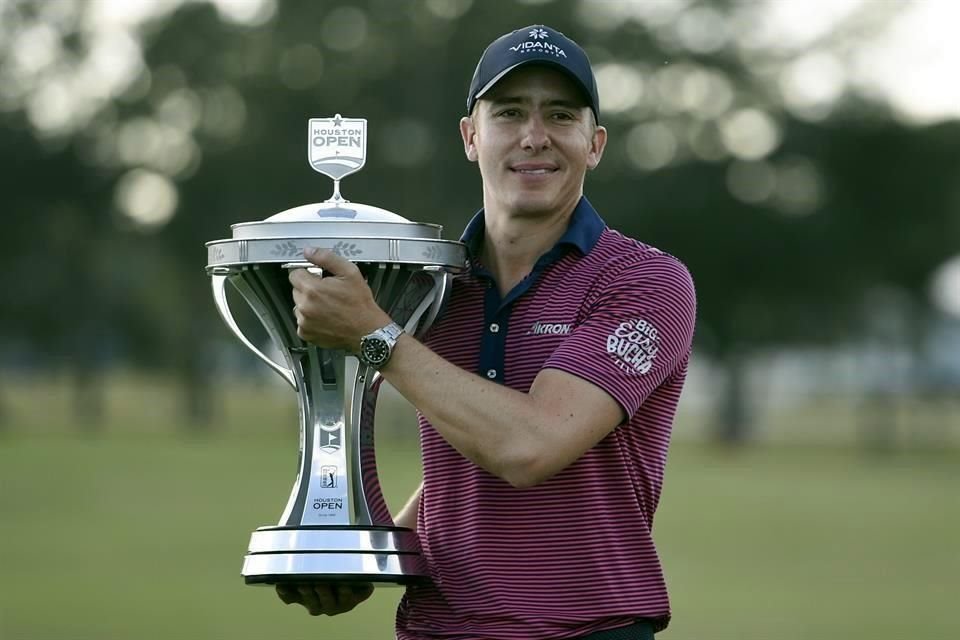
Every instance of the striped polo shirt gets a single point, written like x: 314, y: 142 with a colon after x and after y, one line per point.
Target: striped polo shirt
x: 573, y: 554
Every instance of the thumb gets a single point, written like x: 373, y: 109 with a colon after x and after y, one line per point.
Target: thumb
x: 329, y: 261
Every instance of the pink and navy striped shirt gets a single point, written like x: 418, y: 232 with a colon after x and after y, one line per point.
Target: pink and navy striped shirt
x: 574, y: 554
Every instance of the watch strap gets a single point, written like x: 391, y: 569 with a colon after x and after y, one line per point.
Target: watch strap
x: 391, y: 332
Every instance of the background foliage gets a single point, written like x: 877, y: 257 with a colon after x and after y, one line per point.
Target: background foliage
x: 817, y: 208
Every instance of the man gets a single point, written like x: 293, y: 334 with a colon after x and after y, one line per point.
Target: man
x: 546, y: 390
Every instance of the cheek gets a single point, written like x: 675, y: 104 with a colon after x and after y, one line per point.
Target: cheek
x: 587, y: 155
x: 487, y: 152
x: 487, y: 166
x: 485, y: 163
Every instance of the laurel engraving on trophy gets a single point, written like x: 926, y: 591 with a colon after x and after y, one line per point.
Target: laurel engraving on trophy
x: 345, y: 250
x: 432, y: 252
x: 217, y: 254
x: 285, y: 249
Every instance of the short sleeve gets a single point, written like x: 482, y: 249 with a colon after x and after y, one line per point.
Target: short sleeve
x: 634, y: 332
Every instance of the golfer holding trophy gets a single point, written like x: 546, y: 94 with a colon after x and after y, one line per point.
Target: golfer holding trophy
x: 545, y: 388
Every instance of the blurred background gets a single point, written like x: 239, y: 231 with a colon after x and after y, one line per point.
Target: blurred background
x: 801, y: 157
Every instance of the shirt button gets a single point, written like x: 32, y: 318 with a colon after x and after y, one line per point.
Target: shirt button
x: 494, y: 327
x: 491, y: 373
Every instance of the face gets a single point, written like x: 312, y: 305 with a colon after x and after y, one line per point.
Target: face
x: 534, y: 139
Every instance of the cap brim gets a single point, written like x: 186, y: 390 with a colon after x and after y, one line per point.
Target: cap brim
x: 547, y: 63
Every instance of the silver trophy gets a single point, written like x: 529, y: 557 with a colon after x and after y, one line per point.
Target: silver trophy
x: 336, y: 525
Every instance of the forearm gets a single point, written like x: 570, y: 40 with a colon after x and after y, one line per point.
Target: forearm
x: 499, y: 429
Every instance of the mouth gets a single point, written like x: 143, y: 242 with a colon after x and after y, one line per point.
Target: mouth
x: 534, y: 170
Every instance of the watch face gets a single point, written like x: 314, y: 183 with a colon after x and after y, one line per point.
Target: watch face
x: 375, y: 351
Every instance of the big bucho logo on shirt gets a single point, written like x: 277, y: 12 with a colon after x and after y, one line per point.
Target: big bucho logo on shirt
x: 634, y: 345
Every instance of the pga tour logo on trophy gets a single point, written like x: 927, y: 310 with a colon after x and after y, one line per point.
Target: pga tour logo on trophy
x: 336, y: 525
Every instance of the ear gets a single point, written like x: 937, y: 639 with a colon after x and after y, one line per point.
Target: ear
x: 597, y: 144
x: 468, y: 132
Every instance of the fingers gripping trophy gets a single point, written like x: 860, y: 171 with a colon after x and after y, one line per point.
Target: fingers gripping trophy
x: 335, y: 526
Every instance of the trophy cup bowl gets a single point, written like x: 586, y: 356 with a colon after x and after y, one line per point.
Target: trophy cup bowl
x: 336, y: 526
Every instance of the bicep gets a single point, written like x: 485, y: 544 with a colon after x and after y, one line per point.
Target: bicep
x: 578, y: 415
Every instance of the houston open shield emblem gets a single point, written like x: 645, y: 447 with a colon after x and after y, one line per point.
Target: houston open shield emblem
x: 338, y: 146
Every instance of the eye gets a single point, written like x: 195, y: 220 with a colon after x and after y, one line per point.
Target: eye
x: 508, y: 112
x: 563, y: 116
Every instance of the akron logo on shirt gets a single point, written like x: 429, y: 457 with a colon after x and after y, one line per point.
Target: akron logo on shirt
x: 549, y: 328
x: 634, y: 345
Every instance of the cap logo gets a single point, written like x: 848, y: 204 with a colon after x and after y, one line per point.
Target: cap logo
x: 536, y: 44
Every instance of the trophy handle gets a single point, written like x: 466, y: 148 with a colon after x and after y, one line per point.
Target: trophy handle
x: 219, y: 284
x: 443, y: 282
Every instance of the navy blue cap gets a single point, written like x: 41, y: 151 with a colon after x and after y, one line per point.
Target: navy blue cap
x: 536, y: 44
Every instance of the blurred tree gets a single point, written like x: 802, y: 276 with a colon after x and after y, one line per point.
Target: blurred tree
x: 787, y: 222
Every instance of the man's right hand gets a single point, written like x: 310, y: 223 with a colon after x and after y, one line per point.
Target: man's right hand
x: 325, y: 598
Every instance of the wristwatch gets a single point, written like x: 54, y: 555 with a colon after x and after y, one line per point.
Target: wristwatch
x: 377, y: 347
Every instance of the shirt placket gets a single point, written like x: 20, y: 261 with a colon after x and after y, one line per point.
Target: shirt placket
x: 496, y: 317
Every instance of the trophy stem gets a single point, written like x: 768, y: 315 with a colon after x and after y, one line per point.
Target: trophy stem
x: 321, y: 494
x: 337, y: 198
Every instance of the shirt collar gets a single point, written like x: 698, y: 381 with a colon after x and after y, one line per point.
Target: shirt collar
x: 582, y: 232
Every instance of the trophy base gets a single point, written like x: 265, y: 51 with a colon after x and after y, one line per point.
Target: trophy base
x: 377, y: 580
x: 379, y: 555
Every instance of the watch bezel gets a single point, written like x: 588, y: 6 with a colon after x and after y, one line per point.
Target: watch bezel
x: 383, y: 341
x: 382, y: 346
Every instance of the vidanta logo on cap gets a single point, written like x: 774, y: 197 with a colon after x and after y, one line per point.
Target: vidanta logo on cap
x: 535, y: 44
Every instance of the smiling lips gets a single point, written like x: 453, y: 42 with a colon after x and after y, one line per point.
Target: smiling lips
x: 533, y: 169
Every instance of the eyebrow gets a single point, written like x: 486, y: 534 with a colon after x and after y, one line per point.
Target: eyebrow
x: 560, y: 102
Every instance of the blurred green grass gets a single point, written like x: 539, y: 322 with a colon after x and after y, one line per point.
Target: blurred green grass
x: 138, y: 531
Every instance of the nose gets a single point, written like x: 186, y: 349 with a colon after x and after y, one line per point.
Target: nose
x: 535, y: 135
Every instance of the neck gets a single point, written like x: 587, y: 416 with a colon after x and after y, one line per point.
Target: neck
x: 512, y: 244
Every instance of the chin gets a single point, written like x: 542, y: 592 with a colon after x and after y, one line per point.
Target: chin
x: 531, y: 211
x: 534, y: 206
